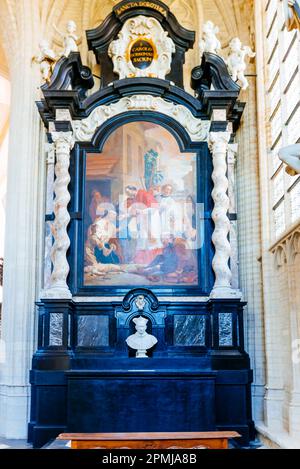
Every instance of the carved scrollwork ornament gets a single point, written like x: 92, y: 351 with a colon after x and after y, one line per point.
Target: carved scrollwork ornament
x: 142, y: 49
x: 195, y: 127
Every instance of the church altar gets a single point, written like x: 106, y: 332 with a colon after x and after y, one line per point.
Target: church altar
x: 141, y: 233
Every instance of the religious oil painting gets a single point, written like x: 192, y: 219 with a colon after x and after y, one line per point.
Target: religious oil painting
x: 140, y: 225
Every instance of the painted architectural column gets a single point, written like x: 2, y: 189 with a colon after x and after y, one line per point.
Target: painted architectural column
x: 58, y: 288
x: 218, y: 143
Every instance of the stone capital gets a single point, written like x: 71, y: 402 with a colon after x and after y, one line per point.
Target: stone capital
x: 63, y: 141
x: 218, y: 142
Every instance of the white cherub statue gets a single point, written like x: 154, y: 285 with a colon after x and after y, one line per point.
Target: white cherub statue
x: 236, y: 61
x: 210, y: 42
x: 70, y: 40
x: 290, y: 155
x: 141, y: 341
x: 46, y: 59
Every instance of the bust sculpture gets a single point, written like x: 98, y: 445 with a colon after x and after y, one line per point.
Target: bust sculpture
x: 141, y: 341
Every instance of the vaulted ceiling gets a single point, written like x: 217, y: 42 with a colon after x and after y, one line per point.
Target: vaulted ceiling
x: 234, y: 18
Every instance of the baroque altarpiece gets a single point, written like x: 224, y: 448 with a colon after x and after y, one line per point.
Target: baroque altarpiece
x: 142, y: 225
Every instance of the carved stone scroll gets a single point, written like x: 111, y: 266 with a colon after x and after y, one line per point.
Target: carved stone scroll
x: 195, y: 127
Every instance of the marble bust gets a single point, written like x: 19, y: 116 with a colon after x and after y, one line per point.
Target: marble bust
x: 290, y: 155
x: 141, y: 341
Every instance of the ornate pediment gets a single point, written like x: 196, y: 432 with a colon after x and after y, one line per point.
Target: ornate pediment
x: 142, y: 49
x: 143, y: 39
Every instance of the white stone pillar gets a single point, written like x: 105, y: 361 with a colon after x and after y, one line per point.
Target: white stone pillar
x: 292, y: 390
x: 58, y: 287
x: 218, y: 143
x: 22, y: 228
x: 233, y: 234
x: 50, y: 172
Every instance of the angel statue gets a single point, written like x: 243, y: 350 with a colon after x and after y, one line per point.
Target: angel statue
x: 210, y: 42
x: 70, y: 40
x: 236, y: 61
x: 46, y: 59
x: 290, y: 155
x: 292, y: 14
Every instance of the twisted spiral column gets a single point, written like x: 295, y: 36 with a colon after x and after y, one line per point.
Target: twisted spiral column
x: 218, y: 144
x: 58, y: 288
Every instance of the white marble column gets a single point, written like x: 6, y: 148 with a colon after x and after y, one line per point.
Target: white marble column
x: 50, y: 172
x: 233, y: 234
x: 58, y: 288
x: 218, y: 143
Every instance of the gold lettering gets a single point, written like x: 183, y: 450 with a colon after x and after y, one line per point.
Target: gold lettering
x: 142, y: 59
x: 140, y: 4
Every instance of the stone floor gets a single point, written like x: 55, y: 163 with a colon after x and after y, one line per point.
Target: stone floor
x: 14, y: 444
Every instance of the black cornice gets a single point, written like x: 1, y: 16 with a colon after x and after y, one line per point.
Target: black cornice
x: 99, y: 38
x: 80, y: 109
x: 213, y: 71
x: 216, y: 90
x: 69, y: 71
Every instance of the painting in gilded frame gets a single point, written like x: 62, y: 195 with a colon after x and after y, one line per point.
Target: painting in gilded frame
x: 141, y: 222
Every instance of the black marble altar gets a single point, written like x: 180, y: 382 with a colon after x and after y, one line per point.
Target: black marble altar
x: 198, y: 376
x: 189, y: 330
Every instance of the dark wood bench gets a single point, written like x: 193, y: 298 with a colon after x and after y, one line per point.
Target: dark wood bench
x: 210, y: 440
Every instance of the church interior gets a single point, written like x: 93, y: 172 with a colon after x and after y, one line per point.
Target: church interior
x: 150, y: 223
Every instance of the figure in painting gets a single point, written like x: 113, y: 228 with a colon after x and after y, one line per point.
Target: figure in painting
x: 167, y: 209
x: 95, y: 205
x: 146, y: 210
x: 164, y: 263
x: 141, y: 224
x: 94, y: 245
x: 127, y: 225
